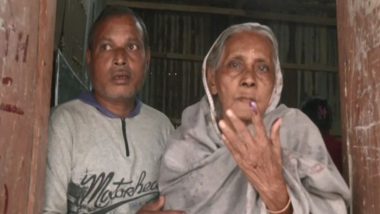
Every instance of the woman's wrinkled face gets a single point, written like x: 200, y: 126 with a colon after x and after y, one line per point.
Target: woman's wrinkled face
x: 246, y: 73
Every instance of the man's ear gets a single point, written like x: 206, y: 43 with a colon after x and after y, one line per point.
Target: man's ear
x: 211, y: 81
x: 88, y: 56
x: 147, y: 56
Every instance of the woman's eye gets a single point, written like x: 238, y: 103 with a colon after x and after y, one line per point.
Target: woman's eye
x: 235, y: 65
x: 262, y: 68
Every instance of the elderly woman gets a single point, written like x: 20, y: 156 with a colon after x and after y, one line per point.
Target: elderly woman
x: 237, y: 151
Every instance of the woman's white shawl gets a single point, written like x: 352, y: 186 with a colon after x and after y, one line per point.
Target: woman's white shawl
x: 199, y: 175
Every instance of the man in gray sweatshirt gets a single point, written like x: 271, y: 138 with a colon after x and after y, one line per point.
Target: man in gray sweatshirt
x: 105, y: 147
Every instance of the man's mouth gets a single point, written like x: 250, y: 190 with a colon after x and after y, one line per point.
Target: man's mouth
x: 121, y: 78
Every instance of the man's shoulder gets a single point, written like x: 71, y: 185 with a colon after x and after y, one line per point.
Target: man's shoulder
x: 154, y: 115
x: 151, y: 111
x: 72, y: 107
x: 69, y: 105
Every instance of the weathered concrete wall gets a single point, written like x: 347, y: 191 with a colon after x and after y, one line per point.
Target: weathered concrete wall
x: 26, y: 50
x: 359, y: 49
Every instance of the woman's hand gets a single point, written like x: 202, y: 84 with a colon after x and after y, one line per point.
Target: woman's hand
x: 259, y: 156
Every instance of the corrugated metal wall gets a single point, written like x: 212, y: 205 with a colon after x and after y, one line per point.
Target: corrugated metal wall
x: 180, y: 40
x: 74, y: 19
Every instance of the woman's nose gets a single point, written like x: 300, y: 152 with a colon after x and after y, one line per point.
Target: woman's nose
x: 248, y: 79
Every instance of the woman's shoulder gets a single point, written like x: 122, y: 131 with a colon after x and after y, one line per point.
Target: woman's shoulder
x: 293, y: 116
x: 298, y: 132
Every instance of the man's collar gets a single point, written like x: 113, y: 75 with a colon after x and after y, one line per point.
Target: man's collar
x: 89, y: 98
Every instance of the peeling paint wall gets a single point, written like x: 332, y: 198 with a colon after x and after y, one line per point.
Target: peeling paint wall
x: 26, y: 41
x: 359, y: 50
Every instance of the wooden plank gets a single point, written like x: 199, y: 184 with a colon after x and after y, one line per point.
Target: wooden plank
x: 309, y: 67
x: 26, y: 48
x: 287, y: 66
x: 165, y: 67
x: 301, y: 7
x: 257, y: 15
x: 41, y: 102
x: 185, y: 37
x: 359, y: 62
x: 18, y: 41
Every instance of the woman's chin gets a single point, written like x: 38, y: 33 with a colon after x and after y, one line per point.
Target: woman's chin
x: 245, y: 116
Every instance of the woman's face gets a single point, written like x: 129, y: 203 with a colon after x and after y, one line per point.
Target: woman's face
x: 245, y: 74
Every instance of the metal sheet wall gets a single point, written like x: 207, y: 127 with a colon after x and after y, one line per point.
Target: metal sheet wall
x: 180, y: 40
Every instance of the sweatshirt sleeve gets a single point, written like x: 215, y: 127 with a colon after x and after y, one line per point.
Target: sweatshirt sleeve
x: 58, y: 171
x: 314, y: 183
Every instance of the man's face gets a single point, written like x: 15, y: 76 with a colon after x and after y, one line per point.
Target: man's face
x: 118, y: 59
x: 245, y: 73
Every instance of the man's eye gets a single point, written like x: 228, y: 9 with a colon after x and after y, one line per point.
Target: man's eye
x: 133, y: 47
x: 105, y: 47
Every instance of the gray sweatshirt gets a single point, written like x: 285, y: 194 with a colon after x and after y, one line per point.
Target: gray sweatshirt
x: 96, y: 167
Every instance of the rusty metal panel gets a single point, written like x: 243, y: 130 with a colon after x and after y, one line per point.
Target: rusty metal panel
x: 359, y: 46
x: 26, y: 41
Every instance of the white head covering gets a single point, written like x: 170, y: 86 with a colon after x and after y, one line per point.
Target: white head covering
x: 199, y: 175
x: 220, y: 42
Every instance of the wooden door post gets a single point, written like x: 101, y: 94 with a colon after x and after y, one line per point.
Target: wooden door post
x: 26, y: 57
x: 359, y: 65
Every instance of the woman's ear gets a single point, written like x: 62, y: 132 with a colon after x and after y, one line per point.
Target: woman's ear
x: 211, y: 81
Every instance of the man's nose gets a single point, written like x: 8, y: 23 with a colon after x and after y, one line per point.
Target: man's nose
x: 120, y: 57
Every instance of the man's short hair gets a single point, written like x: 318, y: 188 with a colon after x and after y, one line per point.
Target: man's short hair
x: 115, y: 11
